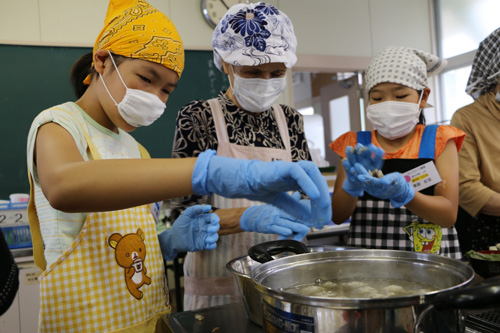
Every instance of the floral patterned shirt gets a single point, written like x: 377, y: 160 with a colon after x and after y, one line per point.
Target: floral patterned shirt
x: 195, y: 133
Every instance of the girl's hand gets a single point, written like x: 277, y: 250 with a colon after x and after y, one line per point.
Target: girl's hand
x: 392, y: 186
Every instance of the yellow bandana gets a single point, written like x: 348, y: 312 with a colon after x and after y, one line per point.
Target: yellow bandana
x: 135, y: 29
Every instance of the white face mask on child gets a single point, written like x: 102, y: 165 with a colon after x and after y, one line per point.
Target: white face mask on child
x: 138, y: 107
x: 257, y: 95
x: 393, y: 119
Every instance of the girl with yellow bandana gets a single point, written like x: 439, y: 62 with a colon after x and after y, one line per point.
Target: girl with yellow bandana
x: 94, y: 188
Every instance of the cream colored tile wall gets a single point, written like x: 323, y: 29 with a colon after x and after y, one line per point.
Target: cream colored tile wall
x: 355, y: 28
x: 71, y: 22
x: 329, y: 32
x: 20, y: 21
x: 400, y: 22
x: 326, y: 27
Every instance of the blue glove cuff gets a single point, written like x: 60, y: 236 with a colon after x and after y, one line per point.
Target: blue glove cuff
x: 167, y: 245
x: 244, y: 216
x: 403, y: 198
x: 200, y: 172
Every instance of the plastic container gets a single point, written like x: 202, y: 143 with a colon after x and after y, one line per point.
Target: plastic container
x: 17, y: 237
x: 486, y: 268
x: 15, y: 224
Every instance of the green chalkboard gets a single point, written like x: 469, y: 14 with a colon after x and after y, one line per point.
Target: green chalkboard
x: 34, y: 78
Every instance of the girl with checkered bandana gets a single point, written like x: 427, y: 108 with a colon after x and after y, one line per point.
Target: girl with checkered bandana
x: 392, y: 209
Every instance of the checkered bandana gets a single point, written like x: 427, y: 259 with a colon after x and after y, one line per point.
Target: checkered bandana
x: 402, y: 65
x: 485, y: 67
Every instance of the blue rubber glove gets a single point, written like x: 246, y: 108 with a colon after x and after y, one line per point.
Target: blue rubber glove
x: 194, y: 230
x: 351, y: 185
x: 268, y: 219
x: 370, y: 156
x: 263, y: 181
x: 392, y: 186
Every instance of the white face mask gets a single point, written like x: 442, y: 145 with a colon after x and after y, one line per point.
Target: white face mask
x: 138, y: 107
x: 257, y: 95
x: 392, y: 119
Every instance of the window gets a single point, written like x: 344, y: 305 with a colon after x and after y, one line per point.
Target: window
x: 461, y: 26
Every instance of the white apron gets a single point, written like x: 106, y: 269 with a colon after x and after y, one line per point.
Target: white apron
x: 207, y: 282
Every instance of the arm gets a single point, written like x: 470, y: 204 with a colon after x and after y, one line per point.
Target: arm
x: 74, y: 185
x: 441, y: 209
x: 492, y: 206
x: 475, y: 196
x: 230, y: 220
x: 343, y: 204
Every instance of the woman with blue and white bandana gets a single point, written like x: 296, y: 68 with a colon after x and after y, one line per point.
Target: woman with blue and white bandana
x: 253, y: 44
x: 412, y: 203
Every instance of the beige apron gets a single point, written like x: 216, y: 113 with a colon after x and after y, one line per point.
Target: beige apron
x: 206, y: 279
x: 111, y: 279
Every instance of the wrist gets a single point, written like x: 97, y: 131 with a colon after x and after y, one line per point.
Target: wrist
x: 405, y: 196
x: 246, y: 217
x: 167, y: 246
x: 200, y: 173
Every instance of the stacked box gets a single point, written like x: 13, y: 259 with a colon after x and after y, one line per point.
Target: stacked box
x: 15, y: 224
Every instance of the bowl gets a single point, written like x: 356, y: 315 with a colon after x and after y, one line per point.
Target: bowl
x: 485, y: 268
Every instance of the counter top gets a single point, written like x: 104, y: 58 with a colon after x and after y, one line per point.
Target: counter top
x: 227, y: 318
x: 232, y: 318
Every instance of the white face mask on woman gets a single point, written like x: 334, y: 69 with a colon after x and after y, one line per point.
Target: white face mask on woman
x: 257, y: 95
x: 138, y: 107
x: 393, y: 119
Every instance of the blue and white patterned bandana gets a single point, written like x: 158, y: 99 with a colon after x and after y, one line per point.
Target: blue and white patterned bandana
x: 403, y: 65
x: 485, y: 67
x: 254, y: 34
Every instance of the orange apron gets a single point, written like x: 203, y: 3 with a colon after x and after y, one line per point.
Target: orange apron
x: 207, y: 282
x: 111, y: 279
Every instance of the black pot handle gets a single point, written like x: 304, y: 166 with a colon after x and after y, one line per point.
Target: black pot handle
x: 481, y: 296
x: 263, y: 252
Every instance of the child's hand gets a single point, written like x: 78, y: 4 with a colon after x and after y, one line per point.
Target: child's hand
x: 392, y: 186
x: 194, y: 230
x: 352, y: 185
x: 370, y: 156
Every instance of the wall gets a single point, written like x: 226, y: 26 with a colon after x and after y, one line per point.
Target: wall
x: 325, y: 28
x: 333, y: 35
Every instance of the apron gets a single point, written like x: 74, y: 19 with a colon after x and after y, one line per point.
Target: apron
x: 477, y: 233
x: 207, y: 282
x: 111, y: 279
x: 375, y: 224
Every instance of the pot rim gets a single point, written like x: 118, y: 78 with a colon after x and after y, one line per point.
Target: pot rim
x: 312, y: 249
x: 275, y: 266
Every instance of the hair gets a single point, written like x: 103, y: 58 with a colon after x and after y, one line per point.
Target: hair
x: 421, y: 116
x: 82, y: 68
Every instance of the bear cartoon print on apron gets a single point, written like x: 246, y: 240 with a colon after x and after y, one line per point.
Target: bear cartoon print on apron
x: 375, y: 224
x: 112, y: 278
x: 207, y: 282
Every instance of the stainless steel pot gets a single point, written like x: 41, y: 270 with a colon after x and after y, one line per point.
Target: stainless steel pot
x: 437, y: 311
x: 242, y: 267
